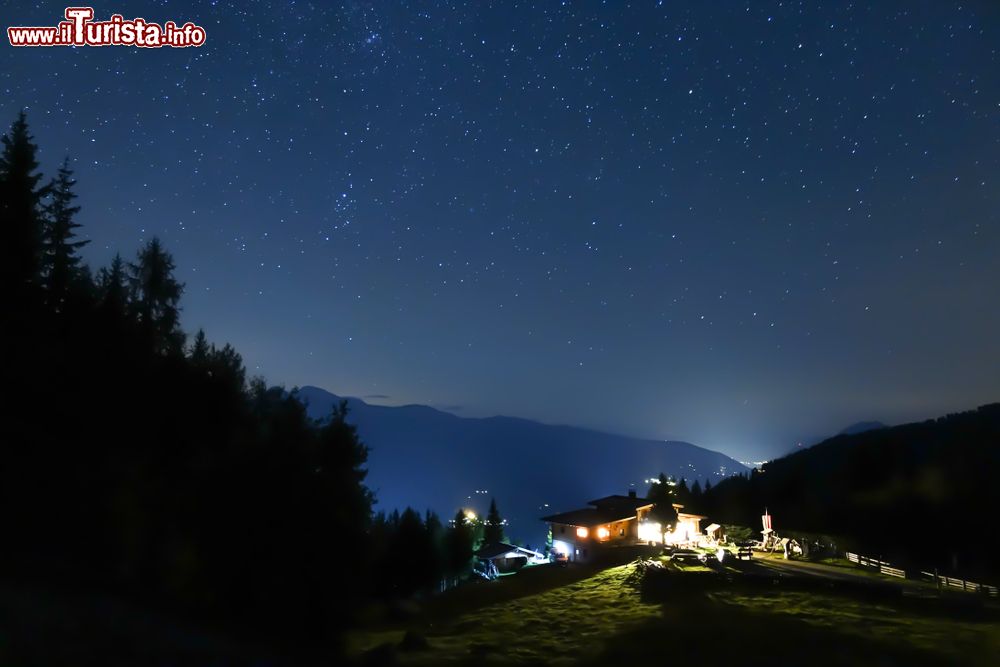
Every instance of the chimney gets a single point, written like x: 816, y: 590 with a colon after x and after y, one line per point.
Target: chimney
x: 631, y: 493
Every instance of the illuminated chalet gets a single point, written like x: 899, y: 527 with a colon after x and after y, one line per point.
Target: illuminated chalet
x: 616, y: 521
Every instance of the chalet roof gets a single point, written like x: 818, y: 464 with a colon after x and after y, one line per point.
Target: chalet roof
x: 494, y: 549
x: 602, y: 510
x: 621, y: 501
x: 593, y: 516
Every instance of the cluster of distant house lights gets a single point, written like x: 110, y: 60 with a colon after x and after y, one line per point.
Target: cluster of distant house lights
x: 470, y: 515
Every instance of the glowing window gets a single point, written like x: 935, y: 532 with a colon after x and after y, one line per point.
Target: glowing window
x: 603, y: 533
x: 582, y: 532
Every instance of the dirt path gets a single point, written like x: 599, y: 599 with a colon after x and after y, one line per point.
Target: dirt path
x: 798, y: 568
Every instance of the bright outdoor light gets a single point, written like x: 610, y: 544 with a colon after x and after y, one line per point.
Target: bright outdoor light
x: 603, y: 533
x: 582, y: 532
x: 470, y: 515
x: 649, y: 531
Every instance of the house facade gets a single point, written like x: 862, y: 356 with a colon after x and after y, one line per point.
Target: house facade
x: 687, y: 530
x: 609, y: 521
x: 616, y: 521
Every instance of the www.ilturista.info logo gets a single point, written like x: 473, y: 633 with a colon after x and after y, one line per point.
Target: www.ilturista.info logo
x: 79, y: 29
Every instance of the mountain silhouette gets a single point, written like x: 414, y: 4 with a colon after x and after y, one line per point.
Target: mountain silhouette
x: 429, y: 459
x: 862, y: 427
x: 805, y: 442
x: 911, y: 493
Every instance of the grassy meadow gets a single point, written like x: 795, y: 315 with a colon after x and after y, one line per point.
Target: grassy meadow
x: 559, y: 616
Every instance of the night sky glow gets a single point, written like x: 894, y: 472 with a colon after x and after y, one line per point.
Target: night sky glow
x: 737, y: 224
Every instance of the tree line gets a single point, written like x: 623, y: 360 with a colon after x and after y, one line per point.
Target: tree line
x: 919, y: 494
x: 137, y: 461
x: 417, y: 554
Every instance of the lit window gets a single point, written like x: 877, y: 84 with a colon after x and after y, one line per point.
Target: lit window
x: 582, y: 532
x: 603, y: 533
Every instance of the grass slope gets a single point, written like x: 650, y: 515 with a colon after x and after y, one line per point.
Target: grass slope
x: 600, y: 619
x: 557, y: 625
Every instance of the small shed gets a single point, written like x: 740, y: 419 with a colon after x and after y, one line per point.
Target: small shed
x: 713, y: 530
x: 508, y: 557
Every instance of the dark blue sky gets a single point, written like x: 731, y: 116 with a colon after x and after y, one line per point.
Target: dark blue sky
x: 733, y: 224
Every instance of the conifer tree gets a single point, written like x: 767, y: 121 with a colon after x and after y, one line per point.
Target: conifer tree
x: 112, y: 289
x: 155, y: 297
x: 661, y: 494
x: 494, y: 524
x: 458, y: 546
x: 410, y: 543
x: 20, y: 211
x: 200, y: 349
x: 227, y: 364
x: 682, y: 493
x: 60, y: 262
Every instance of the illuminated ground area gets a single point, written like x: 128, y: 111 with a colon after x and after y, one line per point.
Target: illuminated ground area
x: 600, y: 619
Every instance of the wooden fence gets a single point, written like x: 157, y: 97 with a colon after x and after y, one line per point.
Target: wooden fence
x: 962, y: 584
x: 942, y: 581
x: 876, y: 564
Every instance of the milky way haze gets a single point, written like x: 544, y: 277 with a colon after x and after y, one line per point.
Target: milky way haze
x: 737, y: 225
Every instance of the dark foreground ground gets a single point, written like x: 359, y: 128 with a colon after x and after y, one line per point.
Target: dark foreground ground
x: 769, y: 611
x: 766, y: 612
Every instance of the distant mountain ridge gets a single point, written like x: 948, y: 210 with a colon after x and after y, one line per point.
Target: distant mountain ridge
x: 807, y: 442
x: 862, y: 427
x: 923, y: 492
x: 429, y: 459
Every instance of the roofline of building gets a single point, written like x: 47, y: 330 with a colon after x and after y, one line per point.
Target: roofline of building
x: 551, y: 519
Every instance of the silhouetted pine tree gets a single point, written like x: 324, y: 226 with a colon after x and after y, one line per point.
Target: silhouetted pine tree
x: 61, y: 269
x: 436, y: 549
x: 199, y: 350
x: 458, y: 547
x: 112, y: 289
x: 682, y: 493
x: 493, y: 530
x: 20, y: 213
x: 410, y: 555
x: 155, y: 298
x: 661, y: 494
x: 226, y: 365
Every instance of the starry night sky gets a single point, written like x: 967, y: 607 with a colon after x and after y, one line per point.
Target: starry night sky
x: 738, y: 224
